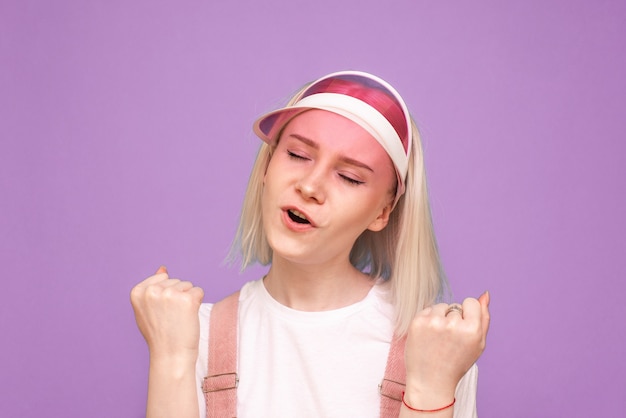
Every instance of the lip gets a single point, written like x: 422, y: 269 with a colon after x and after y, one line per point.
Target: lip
x: 294, y: 226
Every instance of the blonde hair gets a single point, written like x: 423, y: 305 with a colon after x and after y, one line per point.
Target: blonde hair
x: 404, y: 253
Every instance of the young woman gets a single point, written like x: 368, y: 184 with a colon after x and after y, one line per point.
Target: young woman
x: 346, y: 322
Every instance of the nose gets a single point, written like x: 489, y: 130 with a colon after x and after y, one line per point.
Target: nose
x: 311, y: 186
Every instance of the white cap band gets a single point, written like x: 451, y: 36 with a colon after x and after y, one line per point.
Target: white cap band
x: 365, y: 116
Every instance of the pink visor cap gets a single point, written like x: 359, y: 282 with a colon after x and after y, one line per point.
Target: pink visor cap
x: 361, y: 97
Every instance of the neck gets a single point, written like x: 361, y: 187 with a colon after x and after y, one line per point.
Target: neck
x: 311, y: 288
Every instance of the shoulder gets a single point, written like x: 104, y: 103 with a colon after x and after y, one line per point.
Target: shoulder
x: 205, y: 315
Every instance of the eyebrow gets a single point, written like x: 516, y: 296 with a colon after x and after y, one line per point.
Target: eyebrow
x: 343, y: 158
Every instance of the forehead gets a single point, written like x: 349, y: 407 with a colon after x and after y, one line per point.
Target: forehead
x: 333, y: 133
x: 327, y: 128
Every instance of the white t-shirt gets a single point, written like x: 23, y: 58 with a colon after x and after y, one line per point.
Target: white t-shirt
x: 313, y: 364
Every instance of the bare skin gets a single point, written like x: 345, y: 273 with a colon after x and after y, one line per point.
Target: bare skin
x: 439, y: 350
x: 166, y: 311
x: 331, y: 172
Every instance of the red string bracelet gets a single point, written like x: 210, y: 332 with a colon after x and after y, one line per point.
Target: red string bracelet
x: 426, y: 410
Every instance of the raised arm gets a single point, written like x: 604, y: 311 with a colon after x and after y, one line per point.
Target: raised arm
x: 166, y: 311
x: 442, y: 345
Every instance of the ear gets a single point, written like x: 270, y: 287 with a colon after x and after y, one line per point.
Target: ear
x: 381, y: 220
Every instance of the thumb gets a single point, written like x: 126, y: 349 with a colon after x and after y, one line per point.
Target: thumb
x: 161, y: 269
x: 484, y: 300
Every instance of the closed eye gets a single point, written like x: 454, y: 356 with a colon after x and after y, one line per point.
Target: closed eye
x: 295, y: 156
x: 347, y: 179
x: 350, y: 180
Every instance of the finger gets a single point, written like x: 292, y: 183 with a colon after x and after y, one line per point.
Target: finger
x: 197, y: 293
x: 425, y: 312
x: 170, y: 283
x: 183, y: 286
x: 439, y: 309
x: 156, y: 278
x: 161, y: 269
x: 454, y: 310
x: 472, y: 310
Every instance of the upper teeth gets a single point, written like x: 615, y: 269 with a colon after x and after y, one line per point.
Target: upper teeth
x: 298, y: 213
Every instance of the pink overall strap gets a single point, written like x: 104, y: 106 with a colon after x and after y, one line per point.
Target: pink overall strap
x: 220, y: 384
x: 393, y: 383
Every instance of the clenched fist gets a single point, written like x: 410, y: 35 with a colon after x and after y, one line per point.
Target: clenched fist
x: 443, y: 342
x: 166, y: 311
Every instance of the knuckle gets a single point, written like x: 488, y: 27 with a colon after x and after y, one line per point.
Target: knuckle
x: 152, y: 292
x: 135, y: 293
x: 417, y: 324
x: 438, y: 323
x: 421, y: 321
x: 433, y: 326
x: 168, y: 293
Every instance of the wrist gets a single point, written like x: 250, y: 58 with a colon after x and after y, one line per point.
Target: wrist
x: 441, y: 409
x: 428, y: 400
x: 175, y: 364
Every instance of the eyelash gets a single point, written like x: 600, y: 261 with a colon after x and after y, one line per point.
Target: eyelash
x: 295, y: 156
x: 351, y: 180
x: 347, y: 179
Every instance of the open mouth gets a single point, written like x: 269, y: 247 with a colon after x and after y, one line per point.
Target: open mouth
x: 297, y: 216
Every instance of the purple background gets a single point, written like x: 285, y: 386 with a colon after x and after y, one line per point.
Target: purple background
x: 126, y: 144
